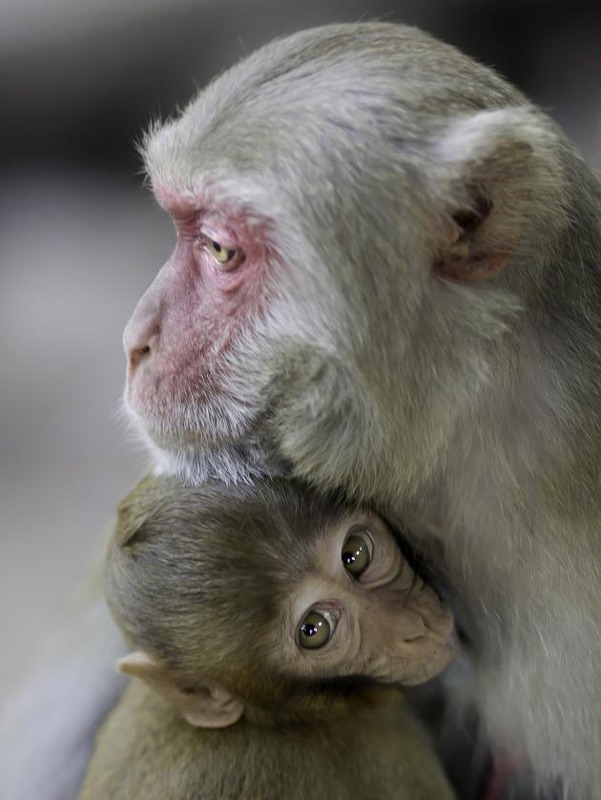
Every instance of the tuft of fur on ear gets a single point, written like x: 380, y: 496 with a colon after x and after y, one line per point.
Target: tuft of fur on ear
x: 494, y: 165
x: 202, y: 706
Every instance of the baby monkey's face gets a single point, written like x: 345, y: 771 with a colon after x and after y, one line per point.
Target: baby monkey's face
x: 248, y: 588
x: 360, y: 609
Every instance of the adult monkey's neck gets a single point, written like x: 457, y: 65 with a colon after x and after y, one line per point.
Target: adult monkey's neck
x: 521, y: 484
x: 519, y: 506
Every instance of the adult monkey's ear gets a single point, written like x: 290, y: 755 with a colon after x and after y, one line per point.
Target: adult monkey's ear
x: 202, y: 706
x: 493, y: 165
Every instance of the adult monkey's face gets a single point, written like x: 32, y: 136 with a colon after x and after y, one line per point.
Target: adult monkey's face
x: 329, y: 215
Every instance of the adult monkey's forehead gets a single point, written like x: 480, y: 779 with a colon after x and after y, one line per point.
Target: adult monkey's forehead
x: 339, y: 86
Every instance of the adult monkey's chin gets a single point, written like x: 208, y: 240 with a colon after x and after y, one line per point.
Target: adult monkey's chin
x: 201, y: 462
x: 202, y: 445
x: 173, y: 428
x: 176, y: 417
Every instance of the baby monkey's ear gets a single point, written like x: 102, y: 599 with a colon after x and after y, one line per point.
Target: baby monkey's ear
x: 203, y: 707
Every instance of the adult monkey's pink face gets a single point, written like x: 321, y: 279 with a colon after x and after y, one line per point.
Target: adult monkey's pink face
x: 319, y: 191
x: 213, y: 335
x: 189, y: 327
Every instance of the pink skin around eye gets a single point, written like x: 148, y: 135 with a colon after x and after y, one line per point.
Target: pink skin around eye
x: 191, y: 314
x: 199, y: 217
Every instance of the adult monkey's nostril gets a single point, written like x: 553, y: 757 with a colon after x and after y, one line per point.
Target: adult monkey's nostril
x: 140, y: 338
x: 138, y: 354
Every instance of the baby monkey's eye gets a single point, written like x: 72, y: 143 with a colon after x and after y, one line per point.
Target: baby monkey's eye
x: 225, y: 257
x: 316, y: 629
x: 357, y: 552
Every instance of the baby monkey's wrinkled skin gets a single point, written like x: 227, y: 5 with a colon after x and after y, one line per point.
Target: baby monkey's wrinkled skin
x: 269, y: 630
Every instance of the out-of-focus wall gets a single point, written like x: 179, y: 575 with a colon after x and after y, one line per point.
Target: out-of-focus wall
x: 80, y: 238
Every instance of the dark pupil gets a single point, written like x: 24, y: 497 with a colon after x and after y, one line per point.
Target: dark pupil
x: 355, y: 555
x: 217, y: 247
x: 308, y: 629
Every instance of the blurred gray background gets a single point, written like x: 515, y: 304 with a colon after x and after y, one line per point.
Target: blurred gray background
x: 80, y: 238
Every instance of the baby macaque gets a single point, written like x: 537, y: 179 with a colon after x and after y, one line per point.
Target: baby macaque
x: 270, y: 632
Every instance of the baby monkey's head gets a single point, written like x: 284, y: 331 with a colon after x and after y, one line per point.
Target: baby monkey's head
x: 265, y: 595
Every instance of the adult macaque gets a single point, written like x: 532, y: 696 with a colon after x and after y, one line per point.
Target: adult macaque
x: 245, y: 606
x: 386, y: 280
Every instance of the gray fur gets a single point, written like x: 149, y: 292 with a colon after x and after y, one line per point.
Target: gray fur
x: 474, y: 406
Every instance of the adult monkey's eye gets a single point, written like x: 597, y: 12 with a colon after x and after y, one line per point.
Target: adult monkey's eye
x: 357, y: 552
x: 224, y: 256
x: 316, y: 629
